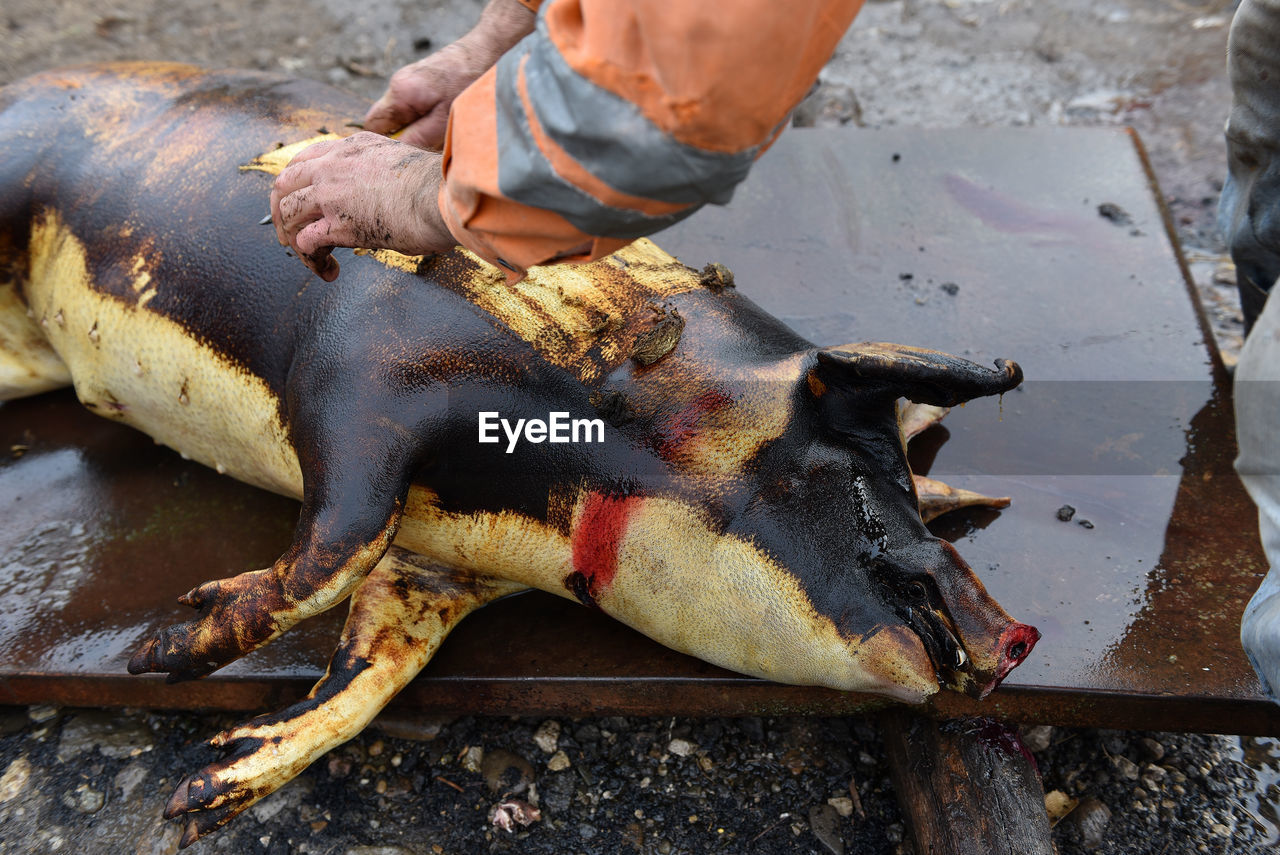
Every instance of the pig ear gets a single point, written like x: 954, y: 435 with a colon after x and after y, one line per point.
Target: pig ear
x: 923, y: 376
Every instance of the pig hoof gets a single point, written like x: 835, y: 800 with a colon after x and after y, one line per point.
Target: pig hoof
x: 196, y: 821
x: 212, y: 797
x: 234, y: 620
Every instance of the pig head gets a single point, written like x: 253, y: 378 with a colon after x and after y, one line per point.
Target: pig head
x: 796, y: 551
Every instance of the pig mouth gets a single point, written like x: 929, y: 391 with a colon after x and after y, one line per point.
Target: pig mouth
x: 953, y: 664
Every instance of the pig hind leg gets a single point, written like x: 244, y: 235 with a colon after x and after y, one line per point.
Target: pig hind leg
x: 399, y: 616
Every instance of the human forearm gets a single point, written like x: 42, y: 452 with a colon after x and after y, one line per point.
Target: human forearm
x: 502, y: 23
x: 615, y: 119
x: 419, y: 95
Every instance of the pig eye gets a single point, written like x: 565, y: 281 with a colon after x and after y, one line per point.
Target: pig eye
x: 1017, y: 651
x: 919, y: 592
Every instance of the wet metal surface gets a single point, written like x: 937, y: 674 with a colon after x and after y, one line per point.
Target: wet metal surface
x: 986, y: 243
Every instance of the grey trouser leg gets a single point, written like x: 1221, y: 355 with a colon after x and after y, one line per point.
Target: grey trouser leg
x: 1249, y: 211
x: 1257, y: 395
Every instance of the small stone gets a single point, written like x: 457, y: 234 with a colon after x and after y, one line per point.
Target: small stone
x: 1057, y: 805
x: 472, y: 758
x: 339, y: 766
x: 376, y: 748
x: 1151, y: 749
x: 42, y: 713
x: 85, y: 799
x: 842, y: 804
x: 1126, y: 767
x: 128, y: 778
x: 1113, y: 213
x: 1220, y: 830
x: 497, y: 768
x: 1084, y: 524
x: 416, y: 728
x: 558, y: 762
x: 14, y: 780
x: 1037, y: 738
x: 547, y: 736
x: 586, y: 832
x: 288, y: 797
x: 378, y: 850
x: 950, y: 288
x: 681, y: 747
x: 824, y: 821
x: 1066, y: 512
x: 1091, y: 818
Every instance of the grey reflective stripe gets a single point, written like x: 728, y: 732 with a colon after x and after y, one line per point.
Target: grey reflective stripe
x: 526, y: 176
x: 615, y: 141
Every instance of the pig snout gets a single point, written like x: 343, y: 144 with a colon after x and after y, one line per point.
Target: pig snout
x: 972, y: 643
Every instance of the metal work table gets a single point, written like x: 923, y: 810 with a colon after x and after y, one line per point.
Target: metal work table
x: 986, y: 243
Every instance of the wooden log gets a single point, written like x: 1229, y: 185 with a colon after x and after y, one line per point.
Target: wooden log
x: 966, y: 787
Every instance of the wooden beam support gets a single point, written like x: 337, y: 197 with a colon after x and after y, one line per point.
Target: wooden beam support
x: 966, y: 787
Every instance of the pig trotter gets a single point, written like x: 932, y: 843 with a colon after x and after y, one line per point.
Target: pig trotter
x: 233, y: 621
x: 240, y: 614
x: 399, y: 616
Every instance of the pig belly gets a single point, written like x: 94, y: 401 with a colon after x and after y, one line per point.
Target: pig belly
x: 142, y: 369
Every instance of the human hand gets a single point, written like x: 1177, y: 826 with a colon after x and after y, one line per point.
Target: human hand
x: 419, y: 95
x: 361, y: 191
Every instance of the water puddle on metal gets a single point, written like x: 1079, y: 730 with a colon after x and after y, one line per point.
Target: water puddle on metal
x: 1262, y: 755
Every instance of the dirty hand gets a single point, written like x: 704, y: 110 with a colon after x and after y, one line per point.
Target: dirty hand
x: 418, y: 96
x: 362, y: 191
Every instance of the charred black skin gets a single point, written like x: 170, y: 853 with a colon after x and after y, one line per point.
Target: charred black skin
x: 379, y: 375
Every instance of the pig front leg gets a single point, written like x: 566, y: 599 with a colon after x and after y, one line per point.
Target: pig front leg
x: 356, y: 474
x: 399, y: 616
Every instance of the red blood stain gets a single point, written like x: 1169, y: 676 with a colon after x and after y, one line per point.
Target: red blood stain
x: 679, y: 428
x: 596, y: 542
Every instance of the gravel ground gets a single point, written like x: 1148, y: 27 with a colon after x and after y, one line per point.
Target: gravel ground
x: 95, y: 782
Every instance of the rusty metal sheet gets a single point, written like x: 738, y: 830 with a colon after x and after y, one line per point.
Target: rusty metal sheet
x: 982, y: 242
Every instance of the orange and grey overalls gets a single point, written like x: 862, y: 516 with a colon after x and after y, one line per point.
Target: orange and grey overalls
x: 616, y: 118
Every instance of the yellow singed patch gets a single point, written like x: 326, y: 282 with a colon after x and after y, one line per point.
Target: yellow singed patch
x: 273, y: 162
x: 28, y: 365
x: 569, y: 312
x: 145, y: 370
